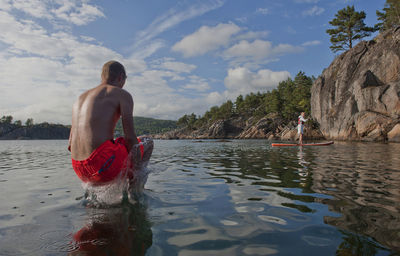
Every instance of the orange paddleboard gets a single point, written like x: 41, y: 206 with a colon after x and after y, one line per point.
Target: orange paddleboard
x: 307, y: 144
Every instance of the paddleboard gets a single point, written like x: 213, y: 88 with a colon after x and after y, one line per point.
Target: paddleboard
x: 307, y: 144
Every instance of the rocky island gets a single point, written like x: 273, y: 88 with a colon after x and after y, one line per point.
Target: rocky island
x: 43, y: 131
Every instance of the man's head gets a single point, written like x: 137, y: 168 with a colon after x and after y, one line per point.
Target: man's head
x: 302, y: 114
x: 113, y: 73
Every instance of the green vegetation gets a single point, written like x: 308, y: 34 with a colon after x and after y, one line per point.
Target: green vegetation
x: 390, y: 17
x: 349, y: 26
x: 288, y: 100
x: 29, y: 122
x: 9, y: 119
x: 144, y: 125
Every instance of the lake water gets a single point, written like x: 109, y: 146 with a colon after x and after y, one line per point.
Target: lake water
x: 241, y: 197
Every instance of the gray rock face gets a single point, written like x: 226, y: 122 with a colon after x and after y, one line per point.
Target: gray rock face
x: 357, y: 96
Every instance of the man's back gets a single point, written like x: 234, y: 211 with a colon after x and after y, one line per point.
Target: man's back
x: 94, y: 117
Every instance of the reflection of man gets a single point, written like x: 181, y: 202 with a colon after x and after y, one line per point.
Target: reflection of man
x: 300, y: 126
x: 121, y: 230
x: 96, y: 156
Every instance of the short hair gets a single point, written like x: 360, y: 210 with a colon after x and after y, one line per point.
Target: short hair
x: 111, y: 70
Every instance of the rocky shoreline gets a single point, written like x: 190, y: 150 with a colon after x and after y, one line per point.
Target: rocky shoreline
x: 42, y: 131
x: 271, y: 127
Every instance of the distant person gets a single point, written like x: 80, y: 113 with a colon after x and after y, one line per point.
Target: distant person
x: 96, y: 157
x: 300, y: 126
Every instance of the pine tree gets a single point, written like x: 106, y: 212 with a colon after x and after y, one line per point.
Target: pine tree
x: 390, y: 17
x: 349, y: 26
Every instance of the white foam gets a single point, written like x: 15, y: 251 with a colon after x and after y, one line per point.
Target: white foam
x: 121, y: 187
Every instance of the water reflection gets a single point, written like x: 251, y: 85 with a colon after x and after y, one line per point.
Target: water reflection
x: 210, y: 198
x: 365, y: 188
x: 120, y: 230
x: 357, y: 180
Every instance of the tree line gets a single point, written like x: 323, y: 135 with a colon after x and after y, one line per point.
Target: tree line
x: 348, y: 24
x: 291, y: 97
x: 145, y: 125
x: 9, y: 120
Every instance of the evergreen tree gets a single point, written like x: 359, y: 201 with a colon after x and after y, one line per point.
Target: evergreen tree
x: 302, y: 92
x: 226, y: 110
x: 239, y: 104
x: 192, y: 120
x: 29, y: 122
x: 272, y: 102
x: 183, y: 121
x: 390, y: 17
x: 349, y: 26
x: 6, y: 119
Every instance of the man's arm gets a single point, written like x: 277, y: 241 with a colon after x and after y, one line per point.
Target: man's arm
x: 69, y: 140
x: 126, y: 104
x: 303, y: 119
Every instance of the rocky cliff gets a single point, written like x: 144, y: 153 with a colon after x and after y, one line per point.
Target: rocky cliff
x: 357, y: 96
x: 39, y: 132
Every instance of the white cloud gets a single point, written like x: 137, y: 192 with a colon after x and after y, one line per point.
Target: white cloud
x: 258, y: 50
x: 88, y: 38
x: 35, y: 8
x: 250, y: 35
x: 148, y: 49
x: 5, y: 5
x: 263, y: 11
x: 198, y: 84
x: 314, y: 11
x: 42, y: 73
x: 170, y: 19
x: 215, y: 98
x: 206, y: 39
x: 311, y: 43
x: 243, y: 81
x: 200, y: 87
x: 154, y: 97
x: 179, y: 67
x: 242, y: 19
x: 77, y: 12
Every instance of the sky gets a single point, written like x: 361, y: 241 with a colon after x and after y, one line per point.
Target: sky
x: 181, y: 57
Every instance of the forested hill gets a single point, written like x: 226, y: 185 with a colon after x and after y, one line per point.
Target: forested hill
x: 42, y: 131
x: 271, y: 114
x: 12, y: 130
x: 145, y: 125
x: 291, y: 97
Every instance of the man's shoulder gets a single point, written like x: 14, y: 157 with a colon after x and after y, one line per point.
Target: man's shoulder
x: 119, y: 93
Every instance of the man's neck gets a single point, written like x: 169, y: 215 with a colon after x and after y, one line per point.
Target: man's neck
x: 115, y: 83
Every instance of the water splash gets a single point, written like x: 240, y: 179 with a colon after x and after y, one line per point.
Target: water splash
x: 129, y: 185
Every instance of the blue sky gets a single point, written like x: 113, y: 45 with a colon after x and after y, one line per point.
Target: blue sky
x: 181, y: 56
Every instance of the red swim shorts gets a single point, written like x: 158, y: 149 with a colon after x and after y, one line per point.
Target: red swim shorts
x: 105, y: 163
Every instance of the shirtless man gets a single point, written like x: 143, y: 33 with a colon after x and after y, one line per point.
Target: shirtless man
x: 96, y: 157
